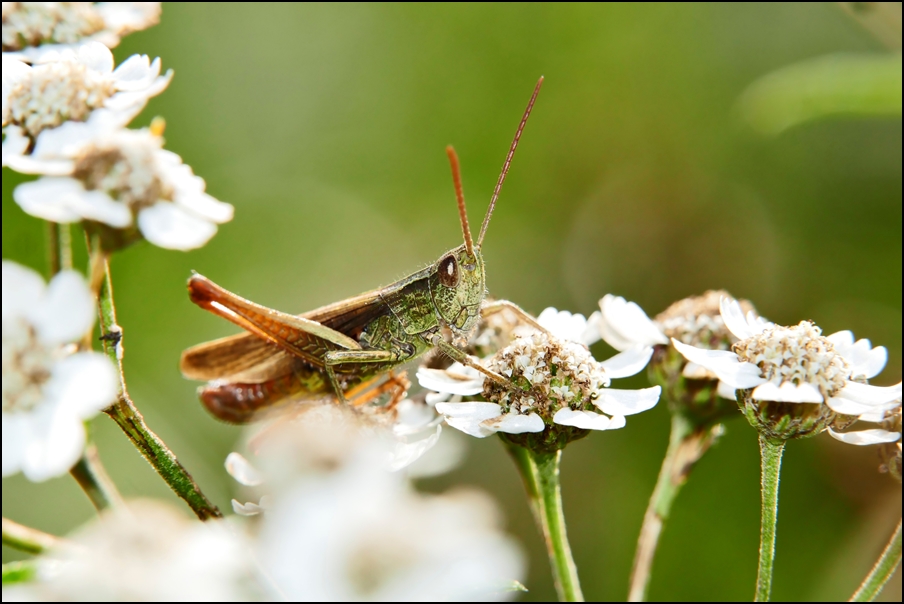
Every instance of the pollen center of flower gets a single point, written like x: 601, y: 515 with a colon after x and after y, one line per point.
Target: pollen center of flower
x: 26, y: 367
x: 55, y: 93
x: 34, y: 23
x: 798, y: 354
x: 127, y: 172
x: 551, y: 373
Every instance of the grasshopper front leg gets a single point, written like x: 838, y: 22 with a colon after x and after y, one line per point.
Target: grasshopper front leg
x: 465, y: 359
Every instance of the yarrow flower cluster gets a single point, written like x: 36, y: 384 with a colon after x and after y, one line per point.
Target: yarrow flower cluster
x: 34, y: 31
x: 773, y: 367
x: 64, y: 118
x: 554, y: 383
x: 49, y: 388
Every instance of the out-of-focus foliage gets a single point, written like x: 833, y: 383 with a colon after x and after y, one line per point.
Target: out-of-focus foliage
x: 325, y: 126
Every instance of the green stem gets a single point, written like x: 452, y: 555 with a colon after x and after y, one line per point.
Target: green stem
x: 540, y: 472
x: 687, y: 444
x: 22, y: 571
x: 125, y: 413
x: 90, y: 474
x: 882, y: 571
x: 27, y: 539
x: 770, y: 468
x: 53, y: 248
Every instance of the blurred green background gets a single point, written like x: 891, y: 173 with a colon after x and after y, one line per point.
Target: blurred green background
x: 325, y: 126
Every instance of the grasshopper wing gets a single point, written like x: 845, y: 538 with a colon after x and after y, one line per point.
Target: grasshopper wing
x: 240, y: 358
x: 275, y: 338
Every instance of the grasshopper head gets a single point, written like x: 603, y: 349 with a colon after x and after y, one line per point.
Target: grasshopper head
x: 458, y: 286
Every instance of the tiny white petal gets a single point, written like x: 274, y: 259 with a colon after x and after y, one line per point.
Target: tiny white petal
x: 515, y: 424
x: 57, y: 443
x: 135, y: 73
x: 873, y: 415
x: 624, y: 324
x: 449, y: 381
x: 467, y: 417
x: 15, y: 143
x: 166, y: 225
x: 627, y: 363
x: 49, y: 198
x: 695, y: 371
x: 841, y: 339
x: 246, y: 509
x: 205, y: 206
x: 16, y: 435
x: 23, y: 288
x: 404, y: 454
x: 67, y: 311
x: 563, y: 324
x: 726, y: 391
x: 741, y: 326
x: 787, y: 392
x: 724, y: 364
x: 242, y: 470
x: 627, y: 402
x: 866, y: 437
x: 587, y: 420
x: 82, y: 384
x: 871, y: 395
x: 96, y: 56
x: 839, y: 404
x: 591, y: 333
x: 874, y: 362
x: 617, y: 422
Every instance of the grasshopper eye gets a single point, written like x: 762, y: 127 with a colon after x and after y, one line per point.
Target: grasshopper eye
x: 448, y: 271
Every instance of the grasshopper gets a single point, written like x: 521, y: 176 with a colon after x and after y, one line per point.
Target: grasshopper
x: 343, y: 348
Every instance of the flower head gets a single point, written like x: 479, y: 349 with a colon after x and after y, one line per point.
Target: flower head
x: 125, y: 183
x: 80, y: 86
x: 146, y: 551
x: 35, y: 31
x: 558, y: 390
x: 793, y: 381
x: 48, y: 388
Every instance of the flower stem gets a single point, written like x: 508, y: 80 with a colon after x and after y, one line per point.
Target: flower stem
x: 770, y: 468
x: 882, y: 571
x: 540, y: 472
x: 27, y: 539
x: 90, y: 474
x: 125, y: 413
x: 687, y: 444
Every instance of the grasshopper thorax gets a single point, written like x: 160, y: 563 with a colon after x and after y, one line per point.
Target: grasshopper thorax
x: 458, y: 287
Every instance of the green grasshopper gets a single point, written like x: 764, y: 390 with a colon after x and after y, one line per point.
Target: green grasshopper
x: 343, y: 348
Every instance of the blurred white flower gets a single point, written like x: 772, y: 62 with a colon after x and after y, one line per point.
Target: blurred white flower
x: 80, y: 86
x: 557, y: 380
x: 797, y: 364
x: 123, y: 177
x: 358, y: 532
x: 35, y: 31
x: 48, y: 388
x: 148, y: 552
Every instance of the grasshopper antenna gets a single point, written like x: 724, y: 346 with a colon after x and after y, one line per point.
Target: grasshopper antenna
x: 508, y: 162
x: 460, y: 196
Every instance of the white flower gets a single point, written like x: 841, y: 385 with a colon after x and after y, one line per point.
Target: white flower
x: 797, y: 364
x: 35, y: 31
x: 874, y: 436
x: 361, y: 533
x: 80, y: 86
x: 556, y: 380
x: 123, y: 177
x: 47, y: 390
x: 568, y: 326
x: 695, y: 321
x: 147, y: 551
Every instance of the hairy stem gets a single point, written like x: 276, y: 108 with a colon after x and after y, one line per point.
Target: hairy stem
x: 540, y: 472
x: 687, y: 444
x: 90, y: 474
x: 770, y: 468
x: 27, y: 539
x: 126, y: 414
x: 882, y: 571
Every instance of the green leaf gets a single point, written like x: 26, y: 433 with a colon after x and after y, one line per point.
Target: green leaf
x: 829, y: 86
